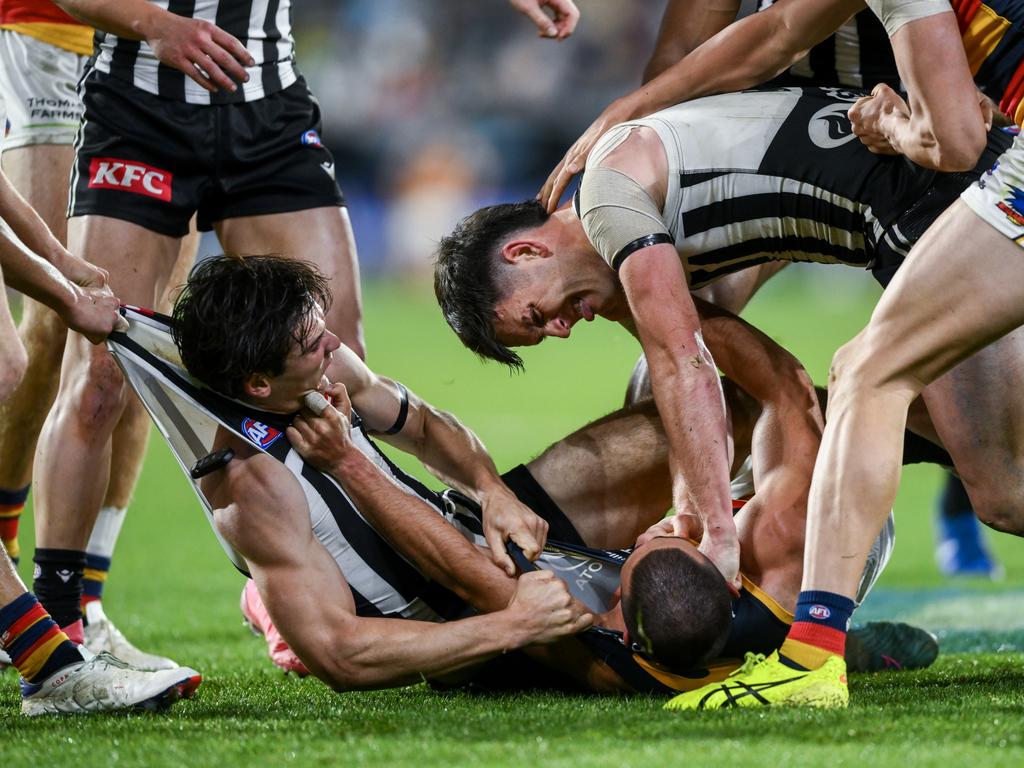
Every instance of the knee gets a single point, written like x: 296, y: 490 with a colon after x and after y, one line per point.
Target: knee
x: 1000, y: 506
x: 93, y: 389
x: 12, y: 371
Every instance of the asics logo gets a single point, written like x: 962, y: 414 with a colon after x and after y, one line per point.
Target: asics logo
x: 830, y: 127
x: 734, y: 692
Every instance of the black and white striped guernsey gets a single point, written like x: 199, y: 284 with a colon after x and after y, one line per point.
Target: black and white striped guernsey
x: 263, y: 26
x: 774, y: 175
x: 857, y: 55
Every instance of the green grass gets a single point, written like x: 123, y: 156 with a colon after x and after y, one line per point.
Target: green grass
x: 173, y: 592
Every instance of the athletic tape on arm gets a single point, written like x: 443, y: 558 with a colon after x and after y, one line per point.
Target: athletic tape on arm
x: 618, y: 215
x: 895, y: 13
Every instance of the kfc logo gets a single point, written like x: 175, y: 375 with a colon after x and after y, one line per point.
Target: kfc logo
x: 128, y: 176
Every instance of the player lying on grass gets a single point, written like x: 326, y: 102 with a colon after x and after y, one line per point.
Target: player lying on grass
x: 673, y: 202
x: 333, y: 583
x: 57, y: 675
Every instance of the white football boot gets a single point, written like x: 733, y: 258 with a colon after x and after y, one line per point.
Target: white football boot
x: 102, y: 683
x: 101, y: 635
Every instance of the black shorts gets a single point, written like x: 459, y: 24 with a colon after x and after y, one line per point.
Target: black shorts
x: 155, y: 162
x: 943, y: 192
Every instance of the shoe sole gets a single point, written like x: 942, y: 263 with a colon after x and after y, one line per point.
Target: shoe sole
x: 914, y: 648
x: 183, y: 689
x: 163, y: 700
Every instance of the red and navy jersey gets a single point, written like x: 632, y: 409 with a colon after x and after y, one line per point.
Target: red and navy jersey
x: 993, y: 35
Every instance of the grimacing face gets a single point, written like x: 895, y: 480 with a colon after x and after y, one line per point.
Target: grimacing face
x: 537, y: 308
x: 305, y: 367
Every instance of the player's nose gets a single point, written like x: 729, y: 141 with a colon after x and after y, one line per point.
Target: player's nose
x: 559, y: 327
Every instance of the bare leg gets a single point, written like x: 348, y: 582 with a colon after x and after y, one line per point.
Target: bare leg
x: 40, y: 173
x: 946, y: 302
x: 611, y: 478
x: 132, y: 432
x: 73, y: 456
x: 322, y: 236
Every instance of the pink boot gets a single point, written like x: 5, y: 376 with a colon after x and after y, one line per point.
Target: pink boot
x: 256, y: 616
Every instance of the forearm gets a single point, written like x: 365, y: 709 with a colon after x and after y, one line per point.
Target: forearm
x: 684, y: 26
x: 689, y: 398
x: 129, y: 19
x: 744, y: 54
x: 390, y: 652
x: 423, y: 536
x: 36, y: 278
x: 455, y: 455
x: 27, y: 224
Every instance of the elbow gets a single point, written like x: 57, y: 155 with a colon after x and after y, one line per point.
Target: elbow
x: 955, y: 150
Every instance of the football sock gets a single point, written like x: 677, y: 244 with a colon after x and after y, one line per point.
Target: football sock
x: 35, y: 643
x: 818, y: 631
x: 12, y: 504
x: 58, y: 583
x: 99, y: 551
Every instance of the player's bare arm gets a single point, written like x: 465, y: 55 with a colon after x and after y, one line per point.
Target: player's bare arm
x: 203, y: 51
x: 744, y: 54
x: 450, y: 450
x: 262, y: 513
x: 684, y: 26
x: 92, y: 311
x: 944, y: 125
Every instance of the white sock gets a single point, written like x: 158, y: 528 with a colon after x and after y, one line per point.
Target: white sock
x: 105, y: 532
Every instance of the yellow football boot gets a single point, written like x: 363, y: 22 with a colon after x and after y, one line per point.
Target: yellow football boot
x: 763, y: 682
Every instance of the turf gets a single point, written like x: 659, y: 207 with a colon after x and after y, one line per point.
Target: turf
x: 173, y: 592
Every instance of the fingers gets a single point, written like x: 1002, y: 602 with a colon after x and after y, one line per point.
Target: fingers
x: 532, y: 10
x: 567, y: 16
x: 583, y: 622
x: 120, y: 323
x: 500, y: 557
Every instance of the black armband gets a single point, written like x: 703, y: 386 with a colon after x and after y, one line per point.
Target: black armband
x: 403, y: 411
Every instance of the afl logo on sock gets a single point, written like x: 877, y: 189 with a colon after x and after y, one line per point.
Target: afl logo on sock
x: 260, y: 433
x: 311, y: 139
x: 820, y: 612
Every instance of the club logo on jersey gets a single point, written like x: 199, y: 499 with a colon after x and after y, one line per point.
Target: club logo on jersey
x: 1013, y: 206
x: 830, y: 126
x: 130, y: 176
x: 260, y: 433
x: 311, y: 139
x: 820, y: 612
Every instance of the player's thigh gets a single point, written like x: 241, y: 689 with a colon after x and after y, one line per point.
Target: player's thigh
x: 40, y: 173
x: 947, y: 301
x: 322, y: 236
x: 137, y: 260
x: 978, y: 412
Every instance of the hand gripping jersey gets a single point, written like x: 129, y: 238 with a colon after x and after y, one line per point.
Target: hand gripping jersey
x: 382, y: 582
x: 43, y: 20
x: 778, y: 175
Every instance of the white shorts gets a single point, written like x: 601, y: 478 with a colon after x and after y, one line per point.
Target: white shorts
x: 39, y: 89
x: 998, y: 196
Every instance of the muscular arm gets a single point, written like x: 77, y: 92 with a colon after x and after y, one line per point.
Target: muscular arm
x: 452, y: 453
x: 944, y: 127
x: 684, y: 26
x: 263, y: 515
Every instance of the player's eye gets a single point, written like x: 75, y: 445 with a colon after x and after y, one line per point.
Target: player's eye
x: 536, y: 317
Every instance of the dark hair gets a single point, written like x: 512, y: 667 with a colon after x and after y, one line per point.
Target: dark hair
x: 677, y: 609
x: 466, y: 274
x: 241, y: 315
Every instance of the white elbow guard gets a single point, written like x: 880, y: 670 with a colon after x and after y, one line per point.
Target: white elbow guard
x: 895, y: 13
x: 618, y: 215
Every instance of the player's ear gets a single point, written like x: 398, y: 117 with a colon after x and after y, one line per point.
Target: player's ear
x: 257, y: 386
x: 515, y: 251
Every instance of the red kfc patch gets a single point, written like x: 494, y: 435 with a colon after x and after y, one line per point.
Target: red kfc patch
x: 130, y: 176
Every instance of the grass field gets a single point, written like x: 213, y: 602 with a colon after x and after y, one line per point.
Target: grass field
x: 173, y: 592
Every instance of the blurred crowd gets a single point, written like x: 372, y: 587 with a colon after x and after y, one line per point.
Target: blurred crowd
x: 433, y: 109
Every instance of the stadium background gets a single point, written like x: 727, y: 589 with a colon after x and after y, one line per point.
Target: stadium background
x: 431, y: 110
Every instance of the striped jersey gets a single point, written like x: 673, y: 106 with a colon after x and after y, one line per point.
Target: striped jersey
x: 263, y: 26
x: 44, y: 21
x: 774, y: 175
x: 993, y: 35
x: 383, y: 583
x: 858, y: 55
